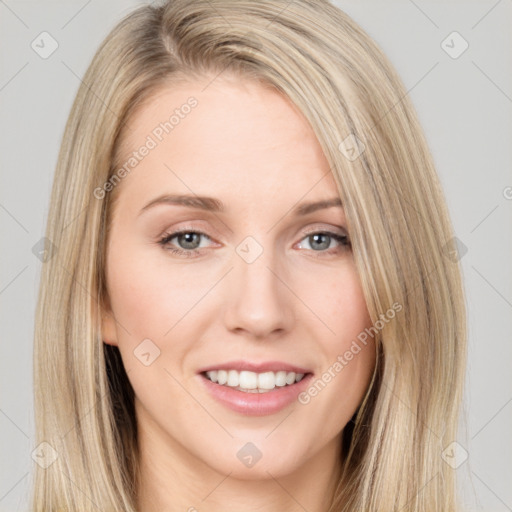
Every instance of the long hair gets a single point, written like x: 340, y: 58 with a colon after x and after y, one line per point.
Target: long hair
x: 319, y: 58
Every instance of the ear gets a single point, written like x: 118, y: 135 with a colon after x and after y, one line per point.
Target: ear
x: 108, y: 324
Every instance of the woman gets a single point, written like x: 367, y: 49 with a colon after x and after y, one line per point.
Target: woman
x: 251, y: 305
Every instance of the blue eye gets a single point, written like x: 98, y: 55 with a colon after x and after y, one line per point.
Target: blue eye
x: 189, y: 242
x: 190, y: 239
x: 320, y: 242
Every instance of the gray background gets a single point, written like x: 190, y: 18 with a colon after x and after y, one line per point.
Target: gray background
x: 464, y: 105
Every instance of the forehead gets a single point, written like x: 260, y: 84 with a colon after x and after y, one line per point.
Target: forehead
x: 226, y: 136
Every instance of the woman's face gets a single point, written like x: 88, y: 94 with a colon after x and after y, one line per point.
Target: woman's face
x: 259, y: 285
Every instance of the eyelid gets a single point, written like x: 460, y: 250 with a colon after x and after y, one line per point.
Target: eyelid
x: 319, y: 227
x: 327, y: 229
x: 171, y: 233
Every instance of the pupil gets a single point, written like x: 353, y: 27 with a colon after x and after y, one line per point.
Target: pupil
x: 190, y: 238
x: 323, y: 245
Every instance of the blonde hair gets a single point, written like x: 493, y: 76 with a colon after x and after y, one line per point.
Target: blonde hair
x: 341, y: 81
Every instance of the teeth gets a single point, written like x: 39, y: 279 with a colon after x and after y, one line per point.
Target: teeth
x: 267, y: 380
x: 248, y: 380
x: 233, y: 378
x: 222, y: 376
x: 281, y: 379
x: 254, y: 382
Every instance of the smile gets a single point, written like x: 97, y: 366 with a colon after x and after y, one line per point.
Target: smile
x: 255, y: 389
x: 252, y: 382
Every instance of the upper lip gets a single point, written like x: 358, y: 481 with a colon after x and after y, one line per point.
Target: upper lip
x: 265, y: 366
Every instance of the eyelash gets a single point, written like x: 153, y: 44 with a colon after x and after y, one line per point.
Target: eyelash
x: 193, y: 253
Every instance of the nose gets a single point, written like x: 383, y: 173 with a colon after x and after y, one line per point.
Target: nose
x: 260, y: 305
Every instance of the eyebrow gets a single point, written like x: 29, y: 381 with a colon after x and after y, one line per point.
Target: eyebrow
x: 215, y: 205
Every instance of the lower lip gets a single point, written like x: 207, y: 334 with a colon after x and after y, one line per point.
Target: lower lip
x: 256, y: 404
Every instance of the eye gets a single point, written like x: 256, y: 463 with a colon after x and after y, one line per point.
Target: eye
x: 188, y: 242
x: 322, y: 242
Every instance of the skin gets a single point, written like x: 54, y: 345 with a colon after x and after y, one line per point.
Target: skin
x: 248, y: 146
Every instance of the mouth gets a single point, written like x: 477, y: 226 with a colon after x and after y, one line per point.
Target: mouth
x: 255, y: 389
x: 253, y: 382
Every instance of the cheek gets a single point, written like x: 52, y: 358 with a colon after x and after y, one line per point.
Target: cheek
x: 149, y: 297
x: 336, y: 299
x: 353, y: 349
x: 348, y: 350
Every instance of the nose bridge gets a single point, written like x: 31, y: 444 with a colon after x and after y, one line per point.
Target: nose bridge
x: 259, y: 301
x: 253, y: 267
